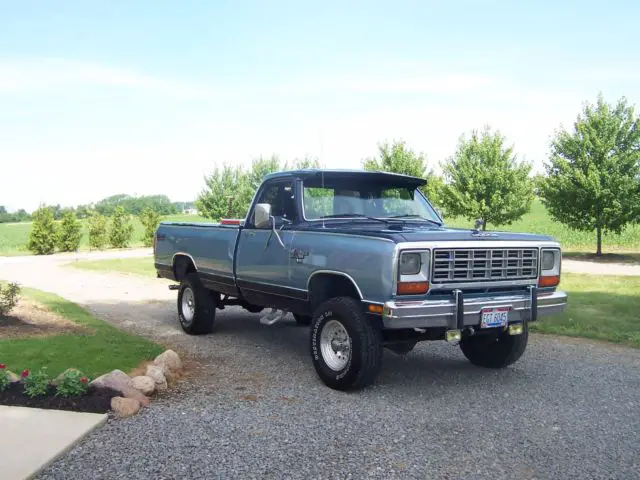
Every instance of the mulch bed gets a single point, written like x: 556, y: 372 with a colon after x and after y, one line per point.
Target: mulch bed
x: 96, y: 400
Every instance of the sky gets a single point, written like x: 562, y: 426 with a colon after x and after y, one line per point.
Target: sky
x: 147, y: 97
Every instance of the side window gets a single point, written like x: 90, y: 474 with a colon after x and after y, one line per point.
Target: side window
x: 281, y: 197
x: 318, y: 202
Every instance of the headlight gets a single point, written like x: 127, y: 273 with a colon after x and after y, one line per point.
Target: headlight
x: 410, y: 263
x: 548, y: 260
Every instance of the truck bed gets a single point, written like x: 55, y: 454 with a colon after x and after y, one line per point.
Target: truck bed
x: 209, y: 245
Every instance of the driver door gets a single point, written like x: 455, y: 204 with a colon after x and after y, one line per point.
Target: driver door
x: 263, y: 265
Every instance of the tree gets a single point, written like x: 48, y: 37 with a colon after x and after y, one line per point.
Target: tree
x: 121, y: 228
x: 593, y: 176
x: 44, y: 232
x: 397, y: 158
x: 150, y: 220
x: 97, y: 230
x: 484, y: 180
x: 70, y: 232
x: 252, y: 180
x: 222, y: 196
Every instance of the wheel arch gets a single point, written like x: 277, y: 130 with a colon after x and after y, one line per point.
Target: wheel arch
x: 182, y: 265
x: 325, y: 284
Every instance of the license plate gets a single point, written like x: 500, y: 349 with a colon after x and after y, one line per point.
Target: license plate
x: 494, y: 317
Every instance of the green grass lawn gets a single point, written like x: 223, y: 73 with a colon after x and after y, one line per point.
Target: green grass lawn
x: 538, y: 221
x: 102, y: 349
x: 137, y: 266
x: 601, y: 307
x: 14, y: 236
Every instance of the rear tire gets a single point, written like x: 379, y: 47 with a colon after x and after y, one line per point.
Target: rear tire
x: 495, y: 350
x: 345, y: 346
x: 196, y: 306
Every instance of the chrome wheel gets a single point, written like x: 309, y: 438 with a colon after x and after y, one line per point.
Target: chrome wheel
x: 335, y: 345
x: 188, y: 305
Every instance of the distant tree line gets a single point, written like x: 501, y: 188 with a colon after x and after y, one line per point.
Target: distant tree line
x: 116, y: 231
x: 132, y: 205
x: 591, y: 181
x: 18, y: 216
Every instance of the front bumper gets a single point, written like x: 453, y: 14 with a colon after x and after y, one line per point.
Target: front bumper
x: 459, y: 312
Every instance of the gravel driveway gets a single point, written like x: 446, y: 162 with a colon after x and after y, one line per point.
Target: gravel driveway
x: 255, y: 409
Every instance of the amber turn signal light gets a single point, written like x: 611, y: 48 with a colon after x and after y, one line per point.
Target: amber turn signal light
x: 549, y: 281
x: 375, y: 308
x: 412, y: 288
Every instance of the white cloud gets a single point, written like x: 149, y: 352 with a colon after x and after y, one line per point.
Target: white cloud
x: 53, y: 73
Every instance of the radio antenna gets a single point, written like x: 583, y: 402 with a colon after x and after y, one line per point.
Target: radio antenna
x: 322, y: 165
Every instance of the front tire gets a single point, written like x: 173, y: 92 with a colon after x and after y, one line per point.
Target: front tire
x: 196, y: 306
x: 495, y: 350
x: 345, y: 346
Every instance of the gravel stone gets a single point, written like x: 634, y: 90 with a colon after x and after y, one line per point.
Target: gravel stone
x: 254, y: 408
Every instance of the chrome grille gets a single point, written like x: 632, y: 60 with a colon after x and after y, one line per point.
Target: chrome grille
x: 452, y: 265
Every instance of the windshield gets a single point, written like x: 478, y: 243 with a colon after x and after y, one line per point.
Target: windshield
x: 379, y: 201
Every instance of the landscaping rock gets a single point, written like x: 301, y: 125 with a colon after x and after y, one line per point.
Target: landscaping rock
x: 121, y: 382
x: 170, y: 363
x: 145, y: 384
x: 157, y: 375
x: 125, y: 407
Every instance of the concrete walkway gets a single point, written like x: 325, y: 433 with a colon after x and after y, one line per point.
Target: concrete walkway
x: 32, y: 438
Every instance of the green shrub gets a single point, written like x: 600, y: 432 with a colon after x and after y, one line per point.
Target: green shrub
x: 8, y: 298
x: 97, y: 231
x: 70, y: 233
x: 44, y: 232
x: 36, y: 384
x: 72, y: 383
x: 121, y: 229
x: 5, y: 380
x: 150, y: 219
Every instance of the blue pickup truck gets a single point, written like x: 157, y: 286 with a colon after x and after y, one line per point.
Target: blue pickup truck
x: 366, y: 262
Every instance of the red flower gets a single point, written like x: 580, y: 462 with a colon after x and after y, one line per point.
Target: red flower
x: 24, y: 373
x: 2, y: 365
x: 84, y: 380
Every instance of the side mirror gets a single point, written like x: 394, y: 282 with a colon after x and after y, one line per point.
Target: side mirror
x: 262, y: 215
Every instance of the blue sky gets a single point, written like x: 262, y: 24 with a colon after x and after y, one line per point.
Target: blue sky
x: 98, y: 98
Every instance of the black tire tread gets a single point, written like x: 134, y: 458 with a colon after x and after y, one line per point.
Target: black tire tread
x: 505, y: 352
x: 369, y: 336
x: 204, y: 318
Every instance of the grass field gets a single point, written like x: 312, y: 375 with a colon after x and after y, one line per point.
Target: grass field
x: 600, y: 307
x: 14, y: 236
x: 99, y: 349
x: 538, y: 221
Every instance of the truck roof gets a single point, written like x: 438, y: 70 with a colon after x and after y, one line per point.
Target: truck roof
x: 347, y: 174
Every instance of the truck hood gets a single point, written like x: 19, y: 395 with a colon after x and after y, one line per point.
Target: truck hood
x: 420, y: 232
x: 439, y: 234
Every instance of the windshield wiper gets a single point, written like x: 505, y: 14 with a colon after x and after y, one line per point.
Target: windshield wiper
x: 417, y: 216
x: 355, y: 215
